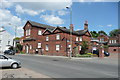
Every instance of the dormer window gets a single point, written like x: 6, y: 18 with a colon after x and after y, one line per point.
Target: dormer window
x: 76, y: 38
x: 28, y: 32
x: 80, y: 38
x: 39, y: 32
x: 57, y: 36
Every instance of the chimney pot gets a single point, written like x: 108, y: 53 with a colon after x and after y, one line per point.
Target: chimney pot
x: 86, y: 25
x: 71, y: 27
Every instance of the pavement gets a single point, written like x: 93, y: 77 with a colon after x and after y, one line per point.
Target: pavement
x: 20, y: 73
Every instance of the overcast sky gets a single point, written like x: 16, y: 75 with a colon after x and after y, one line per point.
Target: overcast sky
x: 100, y: 14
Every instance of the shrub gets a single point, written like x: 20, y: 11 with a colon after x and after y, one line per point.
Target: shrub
x: 84, y: 55
x: 22, y: 52
x: 89, y: 53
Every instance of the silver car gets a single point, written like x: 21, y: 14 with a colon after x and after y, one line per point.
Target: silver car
x: 9, y: 62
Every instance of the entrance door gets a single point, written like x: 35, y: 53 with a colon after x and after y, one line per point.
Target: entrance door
x: 27, y: 48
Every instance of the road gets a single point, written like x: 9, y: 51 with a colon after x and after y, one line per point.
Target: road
x: 65, y: 68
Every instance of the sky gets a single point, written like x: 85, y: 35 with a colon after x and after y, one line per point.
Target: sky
x: 100, y: 14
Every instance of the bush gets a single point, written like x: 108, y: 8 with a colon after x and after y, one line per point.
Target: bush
x: 84, y: 55
x: 22, y: 52
x: 90, y: 54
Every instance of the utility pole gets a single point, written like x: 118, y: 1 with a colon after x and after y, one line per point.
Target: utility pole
x: 70, y: 9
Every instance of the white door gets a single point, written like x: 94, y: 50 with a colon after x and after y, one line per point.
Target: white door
x: 26, y: 49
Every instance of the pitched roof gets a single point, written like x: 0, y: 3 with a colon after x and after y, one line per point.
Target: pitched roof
x: 115, y: 45
x: 35, y: 24
x: 51, y: 28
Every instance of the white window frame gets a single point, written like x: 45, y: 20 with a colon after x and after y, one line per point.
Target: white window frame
x: 47, y: 47
x: 39, y: 32
x: 30, y: 46
x: 115, y: 41
x: 110, y: 41
x: 39, y: 45
x: 80, y: 38
x: 47, y: 38
x: 101, y: 39
x: 80, y: 47
x: 57, y: 36
x: 69, y: 46
x: 57, y: 47
x: 76, y: 38
x: 28, y: 32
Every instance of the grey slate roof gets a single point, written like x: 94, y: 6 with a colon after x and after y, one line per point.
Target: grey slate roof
x: 51, y: 28
x: 115, y: 45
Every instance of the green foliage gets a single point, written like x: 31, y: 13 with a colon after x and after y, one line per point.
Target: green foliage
x: 84, y: 55
x: 22, y: 52
x: 105, y: 46
x: 11, y: 48
x: 102, y: 32
x: 90, y: 54
x: 17, y: 38
x: 19, y: 47
x: 94, y: 34
x: 114, y: 32
x: 84, y: 46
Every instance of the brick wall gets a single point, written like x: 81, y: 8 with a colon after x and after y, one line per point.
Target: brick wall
x: 113, y: 49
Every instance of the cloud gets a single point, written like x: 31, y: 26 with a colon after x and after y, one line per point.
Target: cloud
x: 6, y: 17
x: 21, y: 10
x: 95, y: 0
x: 81, y: 0
x: 20, y: 31
x: 51, y: 19
x: 61, y: 12
x: 109, y: 25
x: 5, y: 4
x: 100, y: 25
x: 9, y: 20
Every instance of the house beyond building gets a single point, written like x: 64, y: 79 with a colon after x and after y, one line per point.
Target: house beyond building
x: 6, y: 40
x: 48, y: 40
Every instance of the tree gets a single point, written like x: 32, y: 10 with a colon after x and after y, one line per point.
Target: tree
x: 114, y: 32
x: 11, y: 48
x: 17, y: 38
x: 19, y: 47
x: 84, y: 46
x: 94, y: 34
x: 102, y: 32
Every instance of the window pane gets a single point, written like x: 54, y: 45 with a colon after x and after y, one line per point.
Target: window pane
x: 57, y: 47
x: 47, y: 48
x: 76, y: 38
x: 39, y: 45
x: 57, y: 37
x: 47, y: 38
x: 80, y: 38
x: 39, y: 32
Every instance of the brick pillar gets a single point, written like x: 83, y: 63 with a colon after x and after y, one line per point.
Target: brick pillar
x: 101, y: 51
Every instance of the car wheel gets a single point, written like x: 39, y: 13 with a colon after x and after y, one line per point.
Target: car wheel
x: 14, y: 65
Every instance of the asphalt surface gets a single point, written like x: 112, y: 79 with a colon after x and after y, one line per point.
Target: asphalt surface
x: 56, y: 67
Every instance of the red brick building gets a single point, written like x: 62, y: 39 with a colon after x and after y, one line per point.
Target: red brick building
x: 49, y: 40
x: 114, y: 44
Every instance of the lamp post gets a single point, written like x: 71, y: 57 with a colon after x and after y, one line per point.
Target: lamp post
x: 15, y: 35
x: 70, y: 9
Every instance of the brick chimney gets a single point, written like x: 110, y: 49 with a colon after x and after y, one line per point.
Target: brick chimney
x: 71, y: 27
x: 86, y: 25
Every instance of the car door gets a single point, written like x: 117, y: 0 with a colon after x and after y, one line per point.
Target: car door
x: 4, y: 61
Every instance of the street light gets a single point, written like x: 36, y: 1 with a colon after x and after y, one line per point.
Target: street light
x: 70, y: 9
x: 15, y: 35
